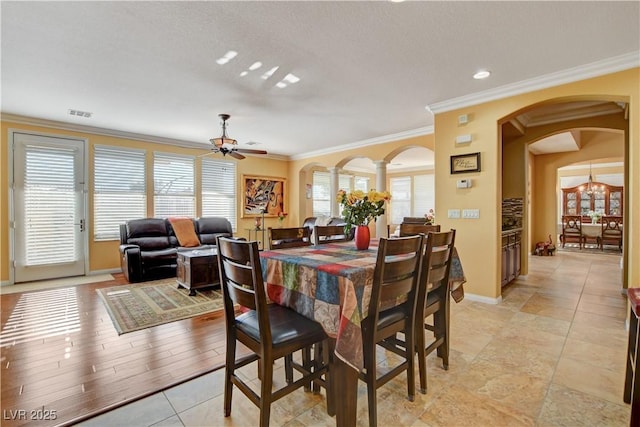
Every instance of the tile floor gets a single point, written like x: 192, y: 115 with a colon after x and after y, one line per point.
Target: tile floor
x: 551, y: 354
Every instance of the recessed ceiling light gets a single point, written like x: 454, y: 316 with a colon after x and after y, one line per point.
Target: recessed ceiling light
x: 291, y: 78
x: 227, y: 57
x: 269, y: 73
x: 482, y: 74
x: 244, y: 73
x: 255, y: 65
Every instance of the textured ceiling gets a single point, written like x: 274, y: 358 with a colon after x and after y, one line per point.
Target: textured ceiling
x: 367, y: 69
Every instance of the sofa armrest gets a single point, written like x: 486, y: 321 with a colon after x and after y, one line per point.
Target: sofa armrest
x: 131, y: 262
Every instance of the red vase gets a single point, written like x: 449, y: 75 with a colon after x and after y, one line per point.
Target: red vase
x: 363, y: 237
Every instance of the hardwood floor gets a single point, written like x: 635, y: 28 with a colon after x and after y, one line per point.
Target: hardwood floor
x: 63, y: 361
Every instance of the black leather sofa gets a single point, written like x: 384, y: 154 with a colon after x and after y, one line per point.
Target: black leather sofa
x: 149, y: 247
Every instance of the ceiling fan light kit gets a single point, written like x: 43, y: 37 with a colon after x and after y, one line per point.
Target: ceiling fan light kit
x: 222, y: 142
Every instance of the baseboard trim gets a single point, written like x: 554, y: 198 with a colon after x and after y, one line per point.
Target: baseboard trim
x: 483, y: 299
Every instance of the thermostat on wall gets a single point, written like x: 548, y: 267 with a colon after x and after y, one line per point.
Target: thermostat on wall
x: 464, y: 183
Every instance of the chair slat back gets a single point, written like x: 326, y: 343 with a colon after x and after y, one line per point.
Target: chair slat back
x: 396, y: 274
x: 291, y: 237
x: 410, y: 229
x: 241, y: 280
x: 436, y: 263
x: 329, y: 234
x: 611, y: 226
x: 572, y: 225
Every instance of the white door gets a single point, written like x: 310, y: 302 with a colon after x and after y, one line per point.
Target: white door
x: 48, y: 197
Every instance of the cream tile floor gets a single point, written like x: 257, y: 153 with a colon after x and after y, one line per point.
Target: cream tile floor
x: 551, y: 354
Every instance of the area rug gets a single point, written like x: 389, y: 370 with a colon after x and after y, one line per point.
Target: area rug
x: 143, y: 305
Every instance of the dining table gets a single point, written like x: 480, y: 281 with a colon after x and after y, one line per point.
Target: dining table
x: 331, y: 284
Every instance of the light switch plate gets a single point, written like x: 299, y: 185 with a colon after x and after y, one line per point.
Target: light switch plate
x: 471, y: 213
x: 453, y: 213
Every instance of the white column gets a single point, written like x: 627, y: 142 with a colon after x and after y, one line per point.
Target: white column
x: 381, y: 185
x: 334, y: 182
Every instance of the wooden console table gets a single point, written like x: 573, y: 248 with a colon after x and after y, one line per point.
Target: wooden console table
x: 197, y: 269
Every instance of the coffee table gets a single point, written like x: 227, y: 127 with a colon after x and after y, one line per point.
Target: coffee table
x: 197, y: 269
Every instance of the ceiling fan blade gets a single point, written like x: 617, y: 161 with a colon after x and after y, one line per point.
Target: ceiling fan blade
x: 249, y: 151
x: 236, y: 155
x: 208, y: 154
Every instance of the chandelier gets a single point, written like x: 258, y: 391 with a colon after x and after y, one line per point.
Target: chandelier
x: 591, y: 188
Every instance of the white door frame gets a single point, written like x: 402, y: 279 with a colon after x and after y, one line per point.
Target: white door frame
x: 11, y: 177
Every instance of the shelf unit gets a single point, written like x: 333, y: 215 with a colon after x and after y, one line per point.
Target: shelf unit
x: 607, y: 200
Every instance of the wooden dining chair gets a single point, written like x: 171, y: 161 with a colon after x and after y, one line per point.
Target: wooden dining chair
x: 270, y: 331
x: 433, y: 295
x: 572, y: 230
x: 611, y: 232
x: 410, y: 229
x: 392, y: 309
x: 291, y: 237
x: 329, y: 234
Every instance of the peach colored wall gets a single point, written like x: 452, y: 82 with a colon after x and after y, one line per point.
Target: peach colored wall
x: 103, y: 255
x: 483, y: 234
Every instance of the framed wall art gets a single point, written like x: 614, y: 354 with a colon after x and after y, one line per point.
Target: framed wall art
x: 263, y: 194
x: 465, y: 163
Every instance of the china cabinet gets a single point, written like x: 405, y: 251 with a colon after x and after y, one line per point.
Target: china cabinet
x: 605, y: 200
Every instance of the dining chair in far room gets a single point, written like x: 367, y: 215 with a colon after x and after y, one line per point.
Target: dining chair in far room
x: 292, y: 237
x: 329, y: 234
x: 392, y: 309
x: 410, y: 229
x: 270, y: 331
x: 572, y: 230
x: 433, y: 295
x: 611, y: 232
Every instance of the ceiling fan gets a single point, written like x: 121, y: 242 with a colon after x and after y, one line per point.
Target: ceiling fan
x: 225, y: 145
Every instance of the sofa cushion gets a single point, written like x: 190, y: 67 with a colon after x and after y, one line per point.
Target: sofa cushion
x: 209, y: 228
x: 185, y: 232
x: 151, y: 243
x: 147, y: 227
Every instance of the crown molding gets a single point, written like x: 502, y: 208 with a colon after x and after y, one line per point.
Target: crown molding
x: 53, y: 124
x: 594, y: 69
x: 367, y: 142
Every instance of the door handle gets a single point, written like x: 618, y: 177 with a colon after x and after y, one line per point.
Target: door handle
x: 82, y: 225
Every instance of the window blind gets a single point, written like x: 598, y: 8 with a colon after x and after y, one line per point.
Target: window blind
x: 219, y: 190
x: 423, y: 194
x: 321, y: 196
x: 400, y: 198
x: 361, y: 183
x: 49, y: 206
x: 120, y: 191
x: 173, y: 181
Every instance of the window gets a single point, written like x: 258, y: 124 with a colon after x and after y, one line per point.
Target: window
x: 321, y: 194
x: 219, y: 189
x: 173, y: 185
x: 411, y: 196
x: 361, y: 183
x: 120, y: 192
x: 423, y: 194
x: 400, y: 198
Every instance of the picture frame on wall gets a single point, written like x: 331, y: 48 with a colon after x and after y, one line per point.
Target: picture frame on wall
x: 465, y: 163
x: 263, y: 194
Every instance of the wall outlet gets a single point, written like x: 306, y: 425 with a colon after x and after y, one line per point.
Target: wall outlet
x: 471, y: 213
x: 453, y: 213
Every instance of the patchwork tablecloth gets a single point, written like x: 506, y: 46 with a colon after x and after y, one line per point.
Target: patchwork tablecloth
x: 330, y: 284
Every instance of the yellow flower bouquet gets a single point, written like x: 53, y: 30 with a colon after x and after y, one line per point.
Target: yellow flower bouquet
x: 360, y: 208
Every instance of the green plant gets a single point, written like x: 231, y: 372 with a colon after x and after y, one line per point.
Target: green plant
x: 360, y: 208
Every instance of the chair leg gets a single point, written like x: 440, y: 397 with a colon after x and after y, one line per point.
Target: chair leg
x: 410, y: 337
x: 266, y: 384
x: 228, y: 373
x: 441, y: 326
x: 422, y: 357
x: 307, y: 363
x: 288, y: 368
x: 370, y: 378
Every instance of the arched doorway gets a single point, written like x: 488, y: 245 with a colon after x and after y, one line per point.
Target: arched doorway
x: 534, y: 145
